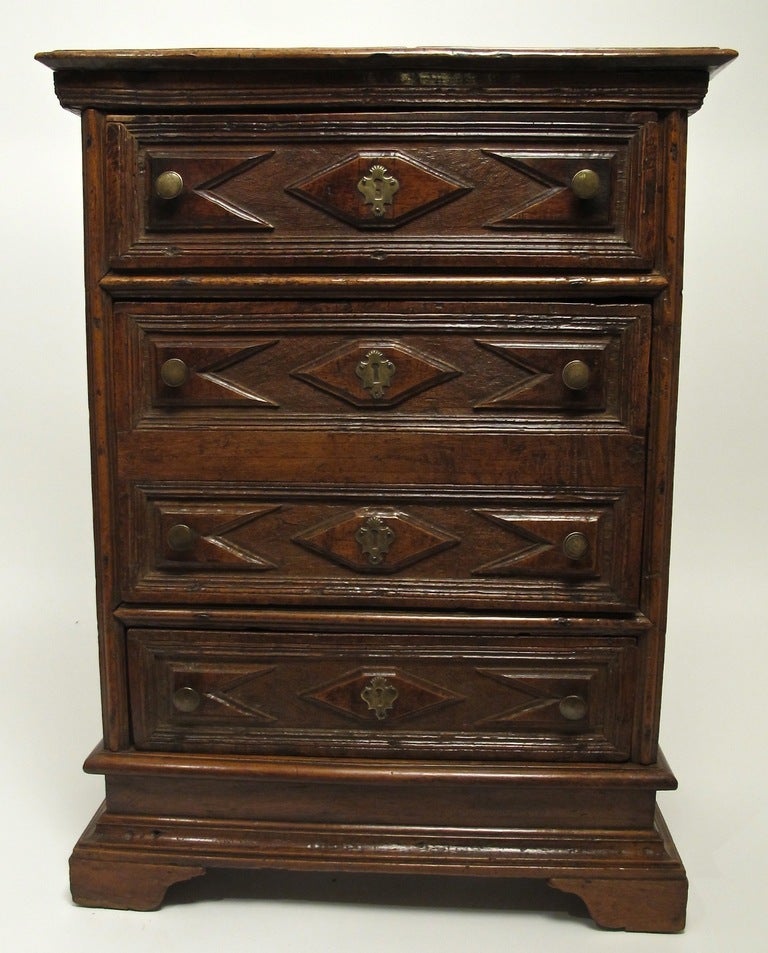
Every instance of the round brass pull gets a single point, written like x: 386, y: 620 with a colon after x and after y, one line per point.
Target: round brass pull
x: 186, y: 699
x: 573, y: 707
x: 174, y: 372
x: 169, y: 185
x: 576, y: 375
x: 181, y: 538
x: 585, y: 184
x: 575, y: 545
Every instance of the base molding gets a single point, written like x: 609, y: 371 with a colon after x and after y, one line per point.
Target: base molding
x: 629, y: 879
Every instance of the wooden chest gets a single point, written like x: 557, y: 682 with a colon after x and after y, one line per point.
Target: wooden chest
x: 383, y: 359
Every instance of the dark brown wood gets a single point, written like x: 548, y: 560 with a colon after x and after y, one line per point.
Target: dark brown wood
x: 198, y: 79
x: 382, y: 424
x: 624, y: 904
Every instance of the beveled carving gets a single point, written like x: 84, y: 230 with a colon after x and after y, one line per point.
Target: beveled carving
x: 385, y: 375
x: 204, y: 191
x: 547, y: 543
x: 200, y: 372
x: 373, y: 190
x: 554, y: 200
x: 365, y: 695
x: 203, y: 540
x: 540, y: 379
x: 549, y: 697
x: 361, y: 539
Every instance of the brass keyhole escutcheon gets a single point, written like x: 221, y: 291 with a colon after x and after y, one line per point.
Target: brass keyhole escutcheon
x: 375, y: 372
x: 169, y: 185
x: 378, y: 188
x: 374, y: 538
x: 379, y: 695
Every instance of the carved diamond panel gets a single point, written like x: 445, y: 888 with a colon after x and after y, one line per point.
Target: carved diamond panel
x: 219, y: 374
x: 216, y: 194
x: 536, y: 373
x: 407, y: 187
x: 551, y: 201
x: 539, y: 695
x: 215, y: 537
x: 412, y: 696
x: 374, y: 374
x: 382, y: 540
x: 227, y: 692
x: 537, y: 541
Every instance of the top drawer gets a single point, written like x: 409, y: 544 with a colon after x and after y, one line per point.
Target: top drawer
x: 375, y: 191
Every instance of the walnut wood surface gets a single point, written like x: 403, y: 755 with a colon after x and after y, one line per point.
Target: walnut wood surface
x: 378, y: 588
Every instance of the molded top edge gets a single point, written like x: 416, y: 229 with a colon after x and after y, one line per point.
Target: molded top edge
x: 709, y: 58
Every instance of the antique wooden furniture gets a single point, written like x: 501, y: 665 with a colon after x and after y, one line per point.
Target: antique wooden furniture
x: 383, y: 352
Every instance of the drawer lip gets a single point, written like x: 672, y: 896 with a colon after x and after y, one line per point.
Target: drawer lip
x: 428, y: 624
x: 301, y: 694
x: 274, y: 225
x: 130, y: 762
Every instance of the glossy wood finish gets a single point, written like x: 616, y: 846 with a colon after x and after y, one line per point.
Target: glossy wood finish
x: 382, y: 479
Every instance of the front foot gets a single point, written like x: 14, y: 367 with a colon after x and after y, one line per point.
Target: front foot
x: 642, y: 905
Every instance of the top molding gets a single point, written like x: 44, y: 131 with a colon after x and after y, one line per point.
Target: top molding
x: 200, y: 78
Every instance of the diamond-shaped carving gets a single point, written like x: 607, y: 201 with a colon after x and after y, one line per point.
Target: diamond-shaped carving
x: 538, y: 694
x: 216, y: 190
x: 226, y: 691
x: 554, y: 202
x: 539, y: 539
x: 214, y: 542
x: 413, y: 190
x: 409, y: 372
x: 537, y: 380
x: 218, y: 193
x: 345, y: 539
x: 219, y: 373
x: 415, y: 696
x: 528, y: 377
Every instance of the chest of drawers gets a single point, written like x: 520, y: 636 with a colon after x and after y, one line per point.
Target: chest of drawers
x: 382, y: 352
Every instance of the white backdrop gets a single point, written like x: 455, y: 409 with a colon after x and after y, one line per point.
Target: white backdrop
x: 714, y: 717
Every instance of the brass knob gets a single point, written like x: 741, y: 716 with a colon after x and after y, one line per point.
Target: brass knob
x: 576, y: 375
x: 186, y: 699
x: 585, y: 184
x: 174, y: 372
x: 169, y: 185
x: 181, y: 538
x: 573, y: 707
x: 575, y: 545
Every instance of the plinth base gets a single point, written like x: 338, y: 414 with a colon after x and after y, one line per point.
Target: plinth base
x: 630, y: 877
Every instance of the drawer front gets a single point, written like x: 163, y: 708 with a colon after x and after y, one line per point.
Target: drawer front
x: 533, y: 550
x: 379, y: 191
x: 539, y: 699
x: 413, y: 364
